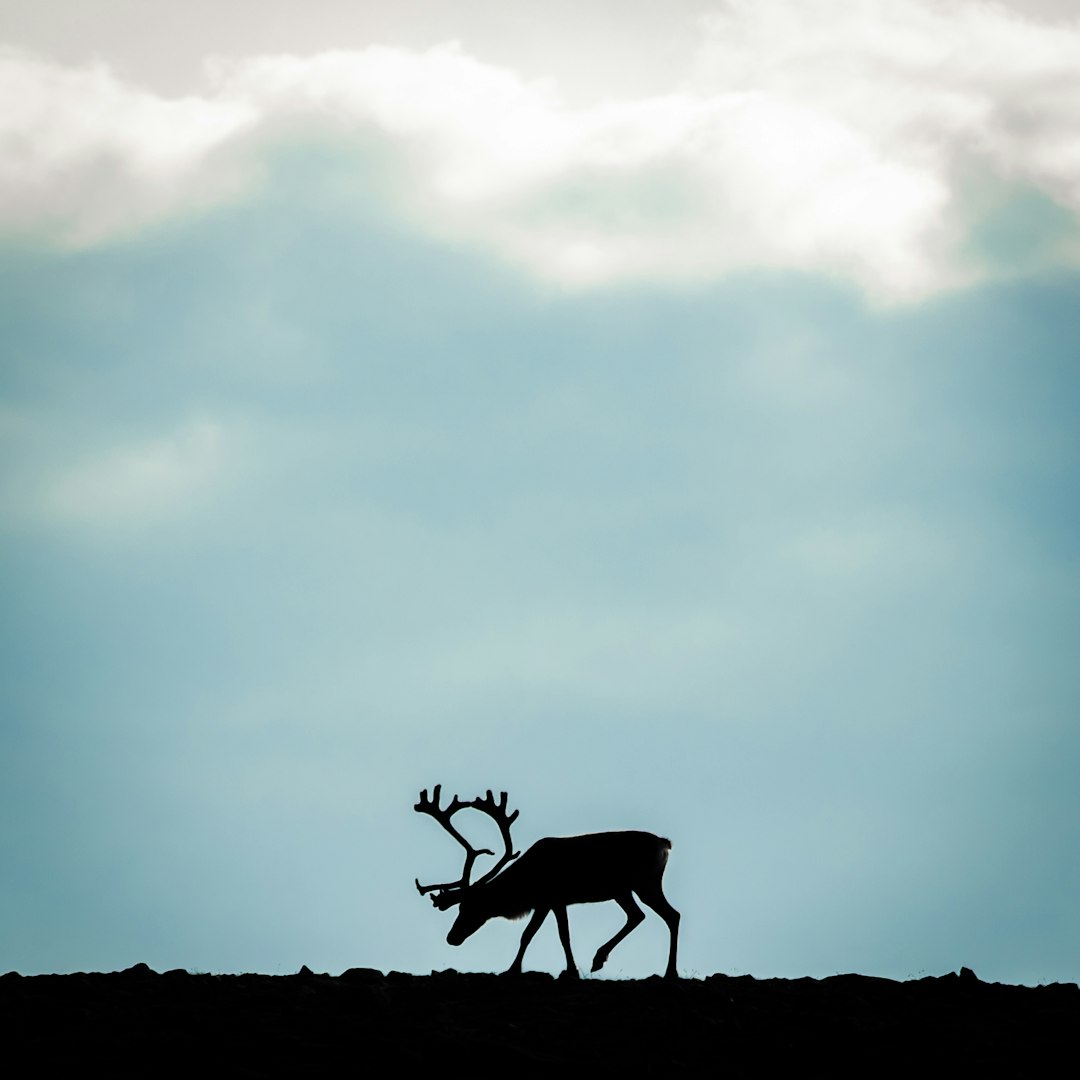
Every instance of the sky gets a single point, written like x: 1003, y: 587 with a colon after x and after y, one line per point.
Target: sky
x: 663, y: 413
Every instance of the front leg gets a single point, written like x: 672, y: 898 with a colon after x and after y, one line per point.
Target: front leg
x: 538, y: 916
x: 571, y: 971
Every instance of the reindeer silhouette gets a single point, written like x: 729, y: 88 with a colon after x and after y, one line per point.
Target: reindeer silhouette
x: 553, y: 873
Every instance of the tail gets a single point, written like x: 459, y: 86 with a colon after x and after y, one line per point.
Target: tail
x: 664, y: 851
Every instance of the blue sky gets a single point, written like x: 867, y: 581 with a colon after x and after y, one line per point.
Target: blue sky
x: 685, y: 445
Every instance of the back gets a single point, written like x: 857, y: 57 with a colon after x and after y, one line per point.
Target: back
x: 562, y: 870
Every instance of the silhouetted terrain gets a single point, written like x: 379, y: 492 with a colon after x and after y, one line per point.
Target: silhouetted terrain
x: 365, y: 1021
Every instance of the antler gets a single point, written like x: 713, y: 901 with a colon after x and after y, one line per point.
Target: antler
x: 504, y: 821
x: 449, y: 893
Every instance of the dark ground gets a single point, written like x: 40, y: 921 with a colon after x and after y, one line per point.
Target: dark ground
x: 363, y: 1021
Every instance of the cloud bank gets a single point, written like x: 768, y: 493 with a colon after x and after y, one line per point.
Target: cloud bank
x: 878, y: 142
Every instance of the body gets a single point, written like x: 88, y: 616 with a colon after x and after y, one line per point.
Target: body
x: 558, y: 871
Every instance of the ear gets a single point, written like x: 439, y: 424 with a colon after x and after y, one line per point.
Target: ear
x: 446, y: 900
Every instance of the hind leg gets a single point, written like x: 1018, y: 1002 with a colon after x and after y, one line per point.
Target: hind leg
x: 653, y: 895
x: 634, y: 917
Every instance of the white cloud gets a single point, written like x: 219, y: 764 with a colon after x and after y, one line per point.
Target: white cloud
x: 927, y: 84
x: 138, y: 483
x: 86, y: 154
x: 851, y: 138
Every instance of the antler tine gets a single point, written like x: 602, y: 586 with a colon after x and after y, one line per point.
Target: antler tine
x: 449, y: 891
x: 431, y: 806
x: 497, y: 812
